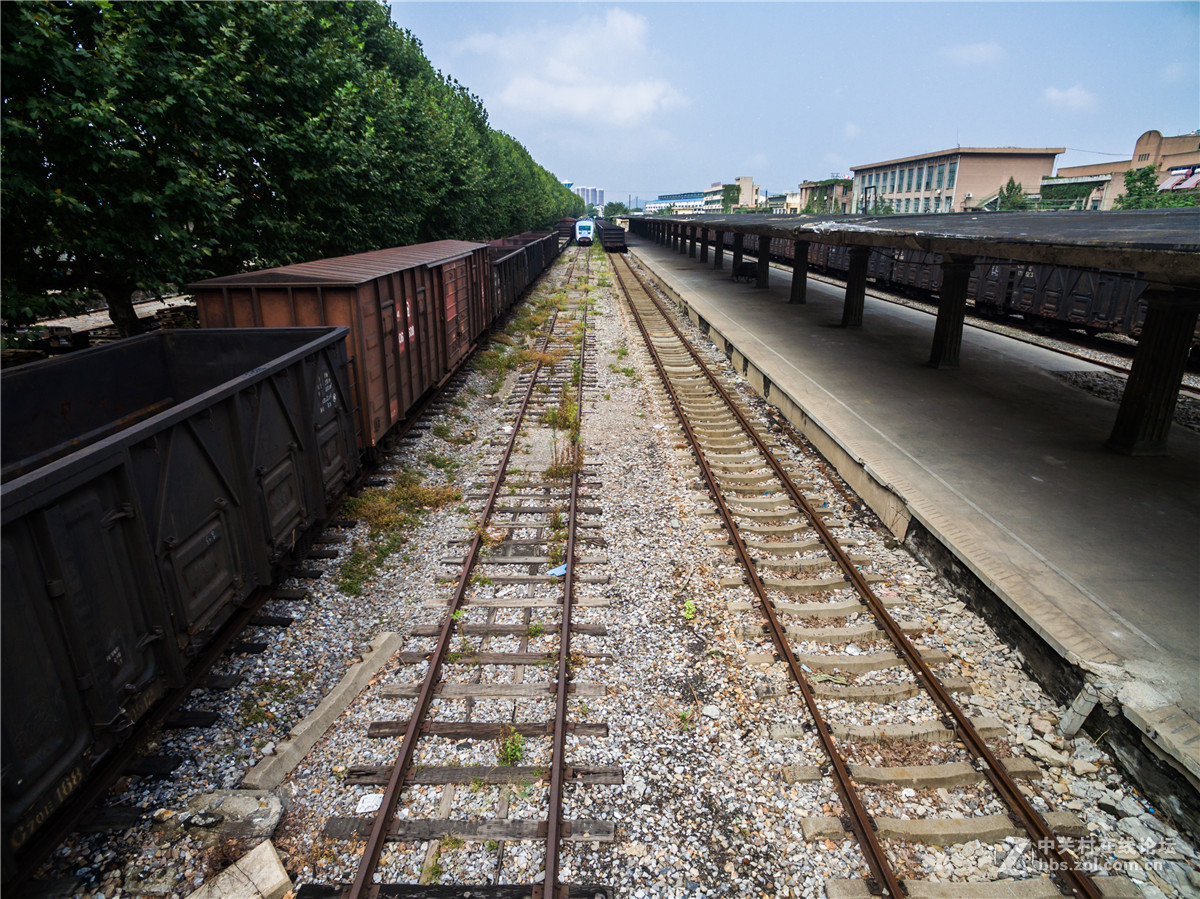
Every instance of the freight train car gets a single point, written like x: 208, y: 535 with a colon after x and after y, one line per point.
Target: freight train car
x: 566, y: 230
x: 412, y: 313
x: 150, y: 486
x: 1047, y: 296
x: 612, y: 237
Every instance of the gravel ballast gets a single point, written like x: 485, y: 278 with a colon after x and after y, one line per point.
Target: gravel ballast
x: 700, y: 720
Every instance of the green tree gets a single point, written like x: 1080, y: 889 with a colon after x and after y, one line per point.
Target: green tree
x: 1141, y: 192
x: 613, y: 209
x: 1012, y: 196
x: 110, y: 174
x: 149, y: 144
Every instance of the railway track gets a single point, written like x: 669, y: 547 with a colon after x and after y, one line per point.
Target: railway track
x: 787, y: 549
x: 171, y: 712
x: 714, y: 777
x: 492, y: 693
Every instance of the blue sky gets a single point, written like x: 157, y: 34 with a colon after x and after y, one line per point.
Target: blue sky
x: 648, y: 98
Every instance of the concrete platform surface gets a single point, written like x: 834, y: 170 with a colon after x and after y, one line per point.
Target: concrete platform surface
x: 1004, y: 464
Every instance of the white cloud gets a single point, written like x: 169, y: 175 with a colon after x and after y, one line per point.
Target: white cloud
x: 549, y: 72
x: 851, y: 131
x: 1072, y: 98
x: 1175, y: 72
x: 623, y: 104
x: 981, y: 53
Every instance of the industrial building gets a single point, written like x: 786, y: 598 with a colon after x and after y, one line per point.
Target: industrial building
x: 955, y: 180
x: 1176, y: 162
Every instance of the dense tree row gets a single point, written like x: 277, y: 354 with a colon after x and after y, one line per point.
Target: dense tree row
x: 152, y: 143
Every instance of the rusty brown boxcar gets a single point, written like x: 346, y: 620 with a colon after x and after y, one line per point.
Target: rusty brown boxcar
x: 413, y: 314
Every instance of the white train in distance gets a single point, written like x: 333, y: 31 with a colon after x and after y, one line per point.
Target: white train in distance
x: 585, y: 229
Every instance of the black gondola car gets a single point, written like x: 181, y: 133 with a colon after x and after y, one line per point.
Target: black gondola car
x: 149, y: 487
x: 612, y: 237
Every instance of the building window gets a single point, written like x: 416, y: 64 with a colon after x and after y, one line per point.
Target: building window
x: 951, y: 173
x: 926, y: 204
x: 937, y: 204
x: 910, y: 176
x: 1143, y: 157
x: 906, y: 205
x: 949, y: 204
x: 920, y: 175
x: 941, y: 176
x: 892, y: 182
x: 929, y: 177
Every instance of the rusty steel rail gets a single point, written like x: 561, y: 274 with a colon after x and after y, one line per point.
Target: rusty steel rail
x: 364, y: 886
x: 1075, y: 881
x: 558, y: 757
x: 363, y: 883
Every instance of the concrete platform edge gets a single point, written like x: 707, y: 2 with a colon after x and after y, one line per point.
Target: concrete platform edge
x: 897, y: 505
x: 271, y: 771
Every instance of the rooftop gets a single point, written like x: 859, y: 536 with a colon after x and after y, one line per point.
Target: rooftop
x: 968, y: 151
x: 348, y: 270
x: 1162, y: 244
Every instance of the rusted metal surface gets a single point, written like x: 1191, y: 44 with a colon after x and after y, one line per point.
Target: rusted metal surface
x: 413, y: 314
x: 1075, y: 881
x: 558, y: 756
x: 349, y: 271
x: 364, y: 878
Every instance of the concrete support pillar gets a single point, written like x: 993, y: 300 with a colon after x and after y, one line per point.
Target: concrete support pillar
x: 763, y: 278
x: 739, y: 249
x: 952, y: 306
x: 718, y: 249
x: 704, y: 245
x: 1148, y: 403
x: 692, y: 241
x: 683, y: 239
x: 674, y: 245
x: 799, y: 272
x: 856, y: 287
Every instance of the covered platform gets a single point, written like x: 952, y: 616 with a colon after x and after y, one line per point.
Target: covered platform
x: 999, y: 466
x: 1161, y: 245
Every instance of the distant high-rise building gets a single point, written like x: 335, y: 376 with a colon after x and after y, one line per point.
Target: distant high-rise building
x: 593, y: 195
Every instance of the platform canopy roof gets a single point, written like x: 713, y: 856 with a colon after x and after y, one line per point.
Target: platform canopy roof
x: 1162, y: 244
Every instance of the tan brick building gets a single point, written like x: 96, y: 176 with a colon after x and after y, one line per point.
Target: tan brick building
x: 1168, y: 155
x: 954, y: 180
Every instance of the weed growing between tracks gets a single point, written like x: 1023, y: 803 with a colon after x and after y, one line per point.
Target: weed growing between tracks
x: 389, y: 513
